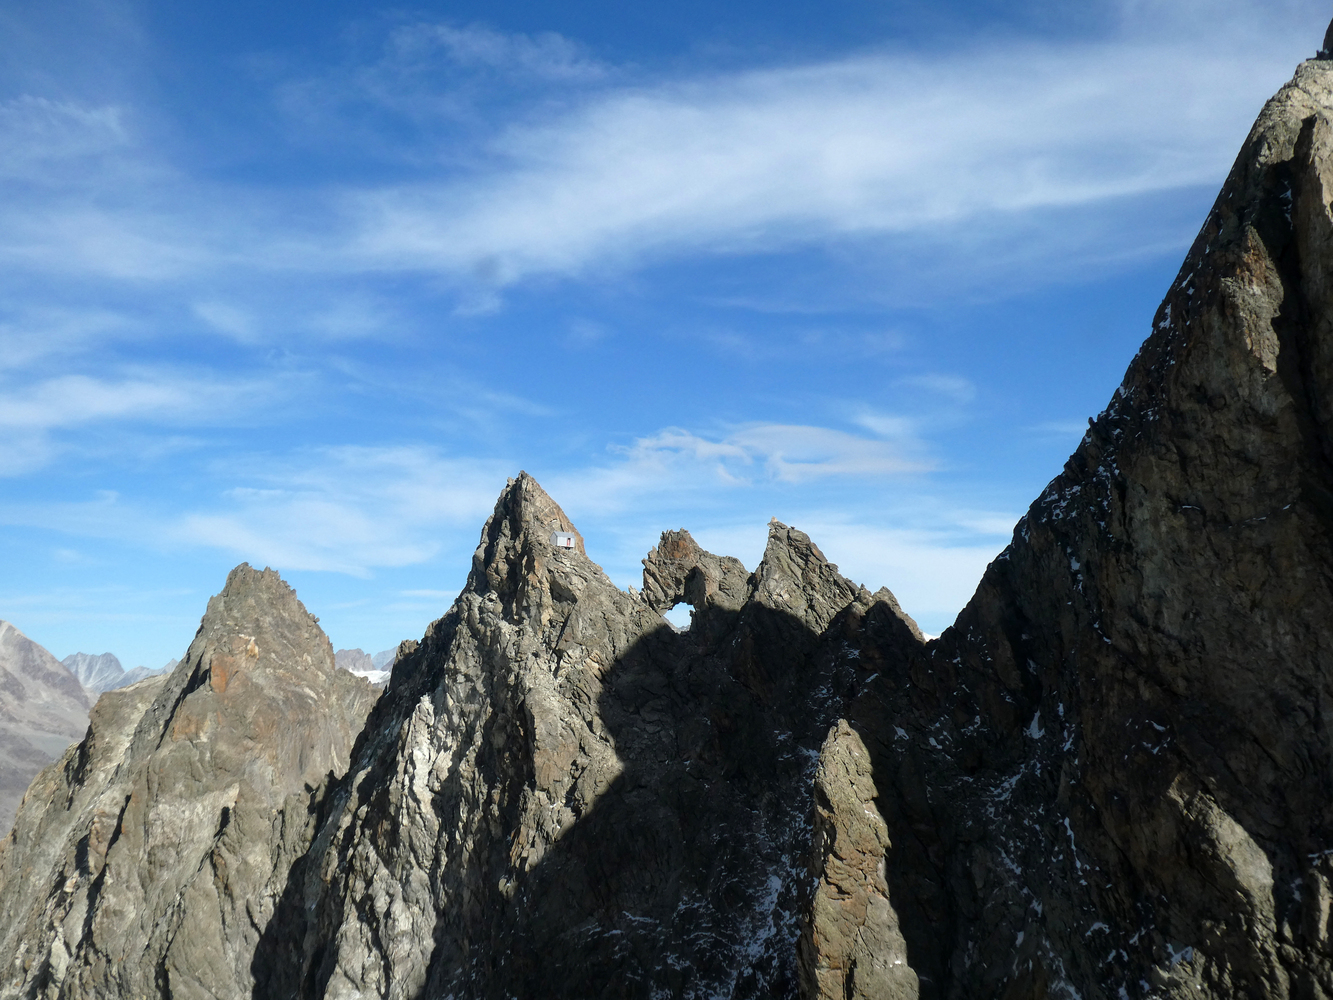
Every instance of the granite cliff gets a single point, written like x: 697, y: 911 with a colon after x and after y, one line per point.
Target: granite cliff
x: 1111, y: 778
x: 561, y: 795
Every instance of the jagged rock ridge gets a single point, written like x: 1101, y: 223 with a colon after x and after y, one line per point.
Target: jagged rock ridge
x: 1110, y: 779
x: 148, y: 859
x: 561, y: 795
x: 1113, y: 776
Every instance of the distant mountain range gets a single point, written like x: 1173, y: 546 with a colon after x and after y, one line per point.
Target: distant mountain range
x: 100, y: 672
x: 45, y: 702
x: 43, y: 709
x: 103, y: 671
x: 375, y: 668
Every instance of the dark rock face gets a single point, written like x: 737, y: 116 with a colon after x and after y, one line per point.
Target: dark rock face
x: 148, y: 859
x: 43, y: 709
x: 1113, y: 777
x: 562, y: 796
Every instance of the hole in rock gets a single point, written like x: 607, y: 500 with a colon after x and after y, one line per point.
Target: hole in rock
x: 679, y: 615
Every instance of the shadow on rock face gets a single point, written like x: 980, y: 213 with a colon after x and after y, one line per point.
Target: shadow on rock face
x: 561, y: 795
x: 678, y: 881
x: 1110, y: 779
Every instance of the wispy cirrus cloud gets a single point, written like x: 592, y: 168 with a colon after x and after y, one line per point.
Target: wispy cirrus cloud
x: 967, y: 148
x: 876, y: 144
x: 36, y: 333
x: 546, y: 55
x: 345, y: 509
x: 352, y: 509
x: 77, y: 399
x: 45, y: 140
x: 32, y: 415
x: 678, y: 462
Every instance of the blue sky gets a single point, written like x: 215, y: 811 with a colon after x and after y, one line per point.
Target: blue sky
x: 303, y: 283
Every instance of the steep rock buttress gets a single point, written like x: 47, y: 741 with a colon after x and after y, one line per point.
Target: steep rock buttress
x: 1113, y: 777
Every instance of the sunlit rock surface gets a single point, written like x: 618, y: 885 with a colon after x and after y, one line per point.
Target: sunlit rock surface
x: 149, y: 858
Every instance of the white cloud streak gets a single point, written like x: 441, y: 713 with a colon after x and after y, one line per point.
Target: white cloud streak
x: 960, y: 148
x: 351, y: 509
x: 346, y: 509
x: 36, y: 334
x: 546, y: 55
x: 78, y: 399
x: 31, y: 415
x: 677, y: 463
x: 884, y: 144
x: 41, y: 134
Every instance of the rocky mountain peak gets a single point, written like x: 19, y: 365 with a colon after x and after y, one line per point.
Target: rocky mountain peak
x: 614, y: 804
x: 796, y: 577
x: 39, y: 674
x: 1107, y: 779
x: 104, y: 672
x: 255, y: 632
x: 518, y: 556
x: 260, y: 601
x: 168, y: 832
x: 96, y: 672
x: 678, y: 571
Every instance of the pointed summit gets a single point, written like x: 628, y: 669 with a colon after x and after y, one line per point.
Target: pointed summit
x: 168, y: 833
x: 795, y: 576
x: 524, y: 514
x: 562, y: 796
x: 528, y: 546
x: 256, y: 623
